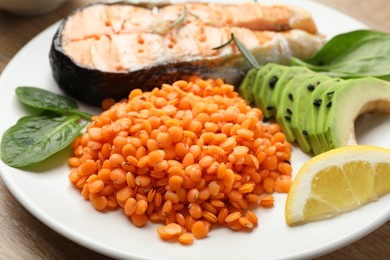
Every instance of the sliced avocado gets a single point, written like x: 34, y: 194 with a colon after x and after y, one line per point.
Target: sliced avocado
x: 245, y: 89
x: 326, y: 99
x: 284, y: 79
x: 301, y: 110
x: 269, y: 83
x: 355, y: 97
x: 312, y: 121
x: 258, y: 84
x: 284, y: 112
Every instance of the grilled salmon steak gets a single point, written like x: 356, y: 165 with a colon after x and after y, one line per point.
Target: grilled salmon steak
x: 105, y: 50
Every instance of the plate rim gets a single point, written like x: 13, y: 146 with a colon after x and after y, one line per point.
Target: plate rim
x: 94, y: 245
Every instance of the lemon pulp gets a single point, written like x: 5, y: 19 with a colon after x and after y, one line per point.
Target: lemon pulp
x: 337, y: 181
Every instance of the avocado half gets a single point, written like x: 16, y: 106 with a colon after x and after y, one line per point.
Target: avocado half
x: 302, y: 108
x: 315, y: 110
x: 354, y: 98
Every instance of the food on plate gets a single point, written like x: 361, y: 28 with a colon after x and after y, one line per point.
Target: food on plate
x: 188, y: 155
x: 254, y: 16
x: 336, y: 181
x: 316, y: 116
x: 300, y: 111
x: 315, y: 110
x: 353, y: 98
x: 353, y: 54
x: 105, y: 50
x: 44, y: 100
x: 36, y: 137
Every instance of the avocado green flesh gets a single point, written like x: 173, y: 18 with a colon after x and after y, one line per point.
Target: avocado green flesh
x: 325, y: 111
x: 246, y: 86
x: 352, y: 100
x: 267, y: 90
x: 301, y: 109
x: 312, y: 117
x: 270, y: 81
x: 258, y: 84
x: 284, y: 79
x: 320, y: 117
x: 285, y: 111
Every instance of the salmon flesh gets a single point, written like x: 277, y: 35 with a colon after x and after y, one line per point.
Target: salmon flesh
x: 106, y: 50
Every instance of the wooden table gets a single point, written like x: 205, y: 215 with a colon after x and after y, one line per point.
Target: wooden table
x: 22, y: 236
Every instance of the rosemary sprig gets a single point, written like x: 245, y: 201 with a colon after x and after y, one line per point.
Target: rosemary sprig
x: 246, y: 53
x: 244, y: 50
x: 194, y: 15
x: 181, y: 17
x: 223, y: 45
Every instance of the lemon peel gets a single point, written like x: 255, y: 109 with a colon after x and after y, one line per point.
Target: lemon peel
x: 337, y: 181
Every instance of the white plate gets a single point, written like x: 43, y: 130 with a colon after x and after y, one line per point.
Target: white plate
x: 46, y: 192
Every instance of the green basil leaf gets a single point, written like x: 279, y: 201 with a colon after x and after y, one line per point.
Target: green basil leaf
x: 35, y: 138
x: 354, y: 54
x: 46, y: 100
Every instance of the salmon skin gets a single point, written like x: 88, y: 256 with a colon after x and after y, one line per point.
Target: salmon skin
x: 106, y: 50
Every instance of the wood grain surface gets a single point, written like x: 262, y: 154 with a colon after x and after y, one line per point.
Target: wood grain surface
x: 22, y: 236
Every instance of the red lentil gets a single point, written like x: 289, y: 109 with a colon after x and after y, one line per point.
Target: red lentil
x: 200, y: 229
x: 188, y: 155
x: 283, y: 183
x: 186, y: 238
x: 252, y: 217
x: 233, y: 216
x: 267, y: 201
x: 245, y: 222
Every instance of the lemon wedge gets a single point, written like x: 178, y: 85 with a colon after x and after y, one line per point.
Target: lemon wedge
x: 336, y: 181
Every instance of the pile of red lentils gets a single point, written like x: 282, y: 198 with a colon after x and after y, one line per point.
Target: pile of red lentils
x: 188, y: 155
